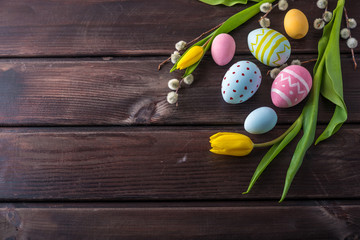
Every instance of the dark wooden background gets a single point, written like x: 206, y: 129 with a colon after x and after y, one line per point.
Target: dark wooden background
x: 90, y: 149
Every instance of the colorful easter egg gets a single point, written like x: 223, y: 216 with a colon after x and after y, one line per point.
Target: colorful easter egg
x: 296, y: 24
x: 261, y: 120
x: 291, y: 86
x: 269, y: 46
x: 223, y: 49
x: 240, y: 82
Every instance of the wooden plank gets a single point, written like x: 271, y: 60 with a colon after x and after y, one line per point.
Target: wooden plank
x: 333, y: 220
x: 128, y: 27
x: 162, y: 163
x: 121, y: 91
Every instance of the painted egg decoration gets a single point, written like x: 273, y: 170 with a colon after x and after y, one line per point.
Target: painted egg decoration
x: 296, y: 24
x: 223, y: 49
x: 240, y: 82
x: 269, y: 46
x: 261, y: 120
x: 291, y: 86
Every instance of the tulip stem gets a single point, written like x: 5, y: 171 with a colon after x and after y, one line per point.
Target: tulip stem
x: 278, y: 139
x: 207, y: 42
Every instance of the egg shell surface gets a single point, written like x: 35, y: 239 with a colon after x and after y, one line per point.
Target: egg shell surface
x: 261, y: 120
x: 240, y: 82
x: 291, y: 86
x: 223, y: 49
x: 269, y: 46
x: 296, y: 24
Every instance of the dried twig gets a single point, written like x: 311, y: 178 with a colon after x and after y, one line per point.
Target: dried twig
x: 177, y: 89
x: 311, y: 60
x: 268, y: 12
x: 307, y: 61
x: 162, y: 63
x: 201, y: 35
x: 352, y: 50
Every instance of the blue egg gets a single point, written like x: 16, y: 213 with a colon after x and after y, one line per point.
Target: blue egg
x: 261, y: 120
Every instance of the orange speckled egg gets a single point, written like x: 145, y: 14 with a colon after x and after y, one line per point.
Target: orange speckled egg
x: 296, y: 24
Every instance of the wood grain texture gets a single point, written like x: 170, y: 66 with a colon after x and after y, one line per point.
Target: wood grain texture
x: 133, y: 92
x: 164, y: 163
x: 130, y: 27
x: 81, y: 177
x: 333, y: 220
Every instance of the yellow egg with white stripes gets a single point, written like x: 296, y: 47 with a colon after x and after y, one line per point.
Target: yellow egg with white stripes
x: 269, y: 46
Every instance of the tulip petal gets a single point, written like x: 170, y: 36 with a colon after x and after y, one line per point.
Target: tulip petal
x: 192, y: 56
x: 234, y: 144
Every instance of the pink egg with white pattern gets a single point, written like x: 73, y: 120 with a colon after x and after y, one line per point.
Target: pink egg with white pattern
x: 291, y: 86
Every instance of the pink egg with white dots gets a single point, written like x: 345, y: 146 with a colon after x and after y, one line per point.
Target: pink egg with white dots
x: 240, y: 82
x: 291, y: 86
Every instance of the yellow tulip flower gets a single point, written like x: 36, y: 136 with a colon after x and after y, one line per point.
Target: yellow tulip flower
x: 234, y: 144
x: 192, y: 56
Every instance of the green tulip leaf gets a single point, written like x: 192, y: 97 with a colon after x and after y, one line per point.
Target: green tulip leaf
x: 328, y: 82
x: 328, y: 49
x: 332, y: 87
x: 309, y: 114
x: 274, y: 151
x: 228, y: 3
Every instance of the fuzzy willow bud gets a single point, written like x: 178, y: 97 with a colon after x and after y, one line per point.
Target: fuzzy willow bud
x: 180, y: 45
x: 352, y: 43
x: 189, y: 79
x: 274, y: 72
x: 345, y: 33
x: 327, y: 16
x: 319, y: 23
x: 322, y: 4
x: 265, y: 22
x: 283, y: 5
x: 172, y: 97
x: 265, y: 7
x: 352, y: 23
x: 175, y: 57
x: 296, y: 62
x: 173, y: 84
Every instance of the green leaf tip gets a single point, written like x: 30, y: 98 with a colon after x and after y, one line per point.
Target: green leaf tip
x: 332, y: 86
x: 228, y: 3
